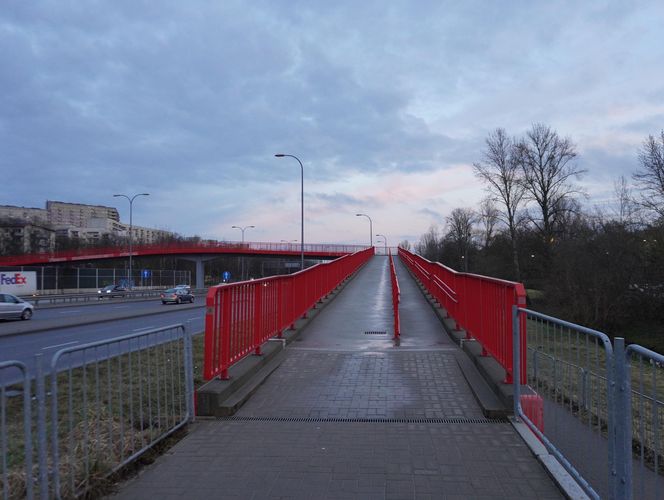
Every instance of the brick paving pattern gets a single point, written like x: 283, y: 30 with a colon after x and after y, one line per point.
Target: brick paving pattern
x: 261, y: 454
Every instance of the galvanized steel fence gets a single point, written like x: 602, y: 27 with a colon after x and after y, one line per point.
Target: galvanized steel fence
x: 595, y: 405
x: 480, y: 305
x: 396, y: 297
x: 107, y: 403
x: 240, y: 317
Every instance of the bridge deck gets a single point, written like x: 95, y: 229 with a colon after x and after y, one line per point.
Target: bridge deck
x: 302, y: 434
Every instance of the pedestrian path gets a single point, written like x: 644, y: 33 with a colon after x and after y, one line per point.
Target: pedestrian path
x: 352, y: 415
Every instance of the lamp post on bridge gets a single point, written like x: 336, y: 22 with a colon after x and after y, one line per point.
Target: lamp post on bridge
x: 131, y: 226
x: 282, y: 155
x: 243, y: 229
x: 385, y: 240
x: 370, y: 227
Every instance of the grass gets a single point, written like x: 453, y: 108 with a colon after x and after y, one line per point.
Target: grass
x: 569, y: 368
x: 108, y: 411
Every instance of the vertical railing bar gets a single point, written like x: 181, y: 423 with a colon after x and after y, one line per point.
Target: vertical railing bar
x: 141, y: 420
x: 120, y: 393
x: 172, y: 378
x: 3, y: 440
x: 130, y: 353
x: 98, y: 412
x: 109, y: 396
x: 70, y: 411
x: 655, y: 425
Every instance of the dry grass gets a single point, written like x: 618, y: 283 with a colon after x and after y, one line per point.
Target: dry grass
x: 107, y: 412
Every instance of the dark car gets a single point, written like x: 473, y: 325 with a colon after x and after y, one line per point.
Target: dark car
x: 177, y: 296
x: 111, y: 291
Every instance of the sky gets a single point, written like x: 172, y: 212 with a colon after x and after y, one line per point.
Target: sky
x: 387, y: 105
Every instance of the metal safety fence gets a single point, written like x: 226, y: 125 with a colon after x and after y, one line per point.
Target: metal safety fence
x: 396, y: 298
x: 595, y: 405
x: 55, y: 279
x: 91, y: 411
x: 240, y: 317
x: 480, y: 305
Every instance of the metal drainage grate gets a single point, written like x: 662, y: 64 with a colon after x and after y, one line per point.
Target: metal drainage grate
x: 375, y: 332
x: 453, y: 420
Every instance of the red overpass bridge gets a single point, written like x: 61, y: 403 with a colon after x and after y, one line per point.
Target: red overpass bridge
x: 199, y: 253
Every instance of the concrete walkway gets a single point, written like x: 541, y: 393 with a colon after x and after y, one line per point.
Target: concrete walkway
x: 349, y: 414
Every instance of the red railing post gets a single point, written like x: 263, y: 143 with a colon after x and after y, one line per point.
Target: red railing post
x: 258, y: 317
x: 224, y: 333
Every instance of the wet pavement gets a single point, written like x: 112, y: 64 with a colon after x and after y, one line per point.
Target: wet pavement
x: 355, y: 415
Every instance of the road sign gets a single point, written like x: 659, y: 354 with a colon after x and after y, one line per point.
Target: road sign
x: 226, y: 276
x: 146, y: 273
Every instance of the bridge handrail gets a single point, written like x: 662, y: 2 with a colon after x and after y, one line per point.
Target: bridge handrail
x: 240, y: 317
x: 480, y: 305
x: 396, y: 297
x: 177, y: 247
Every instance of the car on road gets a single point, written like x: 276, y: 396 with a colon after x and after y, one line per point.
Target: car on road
x: 110, y: 291
x: 13, y: 307
x: 177, y: 296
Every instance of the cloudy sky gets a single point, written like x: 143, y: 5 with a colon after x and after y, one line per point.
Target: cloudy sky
x: 387, y: 104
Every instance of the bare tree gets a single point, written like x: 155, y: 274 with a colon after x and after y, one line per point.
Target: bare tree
x: 488, y: 216
x: 429, y: 244
x: 501, y: 170
x: 546, y: 162
x: 625, y: 209
x: 460, y: 223
x: 650, y: 177
x: 405, y: 244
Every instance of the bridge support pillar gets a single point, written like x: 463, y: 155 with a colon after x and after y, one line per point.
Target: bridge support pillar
x: 200, y: 268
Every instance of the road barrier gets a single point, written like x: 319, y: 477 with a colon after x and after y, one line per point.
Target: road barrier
x: 480, y: 305
x: 599, y: 405
x: 396, y: 298
x: 107, y: 403
x: 240, y: 317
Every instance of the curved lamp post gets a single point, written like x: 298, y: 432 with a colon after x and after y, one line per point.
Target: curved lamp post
x: 282, y: 155
x: 131, y: 226
x: 243, y: 229
x: 370, y: 227
x: 385, y: 239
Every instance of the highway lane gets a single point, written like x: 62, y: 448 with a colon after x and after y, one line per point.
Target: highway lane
x: 23, y: 347
x: 102, y: 306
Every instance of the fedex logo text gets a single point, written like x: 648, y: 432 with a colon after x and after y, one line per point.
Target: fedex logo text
x: 13, y: 279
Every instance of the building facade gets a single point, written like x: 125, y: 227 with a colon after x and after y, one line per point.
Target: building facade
x: 61, y: 213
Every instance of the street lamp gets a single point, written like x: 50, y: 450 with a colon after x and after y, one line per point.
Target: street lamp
x: 243, y: 229
x: 370, y: 227
x: 282, y: 155
x: 384, y: 238
x: 131, y: 226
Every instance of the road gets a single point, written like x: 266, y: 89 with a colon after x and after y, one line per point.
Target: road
x: 23, y: 347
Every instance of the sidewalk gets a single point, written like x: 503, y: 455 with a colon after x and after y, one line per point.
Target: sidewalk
x: 352, y: 415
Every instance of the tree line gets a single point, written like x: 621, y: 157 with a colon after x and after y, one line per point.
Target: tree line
x: 602, y: 267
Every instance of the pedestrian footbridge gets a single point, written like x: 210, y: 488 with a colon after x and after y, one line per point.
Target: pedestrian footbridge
x: 384, y: 377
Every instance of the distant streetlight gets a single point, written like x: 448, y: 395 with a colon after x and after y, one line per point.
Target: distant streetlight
x: 385, y: 239
x: 131, y: 225
x: 282, y: 155
x: 243, y: 229
x: 370, y: 227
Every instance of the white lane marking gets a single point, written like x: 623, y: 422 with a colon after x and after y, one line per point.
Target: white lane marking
x: 144, y: 328
x: 59, y: 345
x: 192, y: 319
x: 120, y: 307
x: 70, y: 312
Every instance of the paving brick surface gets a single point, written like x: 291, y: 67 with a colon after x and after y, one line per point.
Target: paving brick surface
x: 301, y: 435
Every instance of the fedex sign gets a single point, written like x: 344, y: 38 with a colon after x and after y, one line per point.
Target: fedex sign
x: 18, y: 283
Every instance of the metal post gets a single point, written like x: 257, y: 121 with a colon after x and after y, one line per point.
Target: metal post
x: 622, y: 471
x: 516, y: 362
x: 281, y: 155
x: 243, y: 229
x: 42, y: 446
x: 370, y: 227
x: 131, y: 227
x: 188, y: 374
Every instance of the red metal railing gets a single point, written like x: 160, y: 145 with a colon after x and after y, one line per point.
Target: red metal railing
x: 396, y: 297
x: 480, y: 305
x: 202, y: 247
x: 240, y: 317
